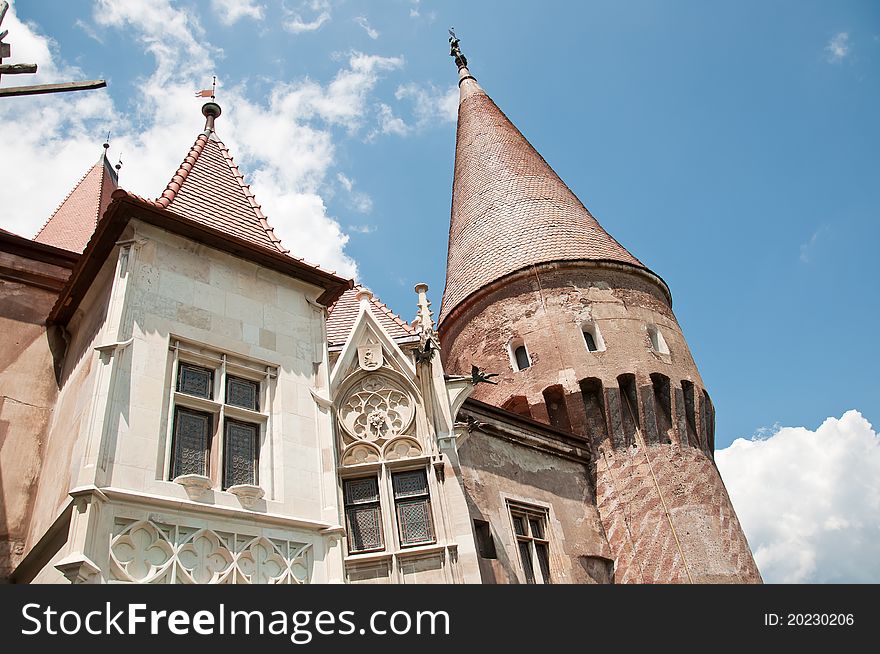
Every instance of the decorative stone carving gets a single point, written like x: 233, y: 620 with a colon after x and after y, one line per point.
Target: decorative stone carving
x: 376, y: 410
x: 196, y: 485
x: 247, y: 494
x: 370, y: 356
x: 360, y: 453
x: 147, y: 552
x: 402, y: 448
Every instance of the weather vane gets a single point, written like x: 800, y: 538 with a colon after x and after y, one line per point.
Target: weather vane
x: 208, y: 93
x: 455, y: 50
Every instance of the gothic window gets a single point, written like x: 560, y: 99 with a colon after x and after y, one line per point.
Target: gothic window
x: 363, y: 514
x: 243, y: 393
x: 241, y: 455
x: 195, y: 380
x: 413, y: 506
x: 530, y: 530
x: 217, y: 419
x: 192, y: 432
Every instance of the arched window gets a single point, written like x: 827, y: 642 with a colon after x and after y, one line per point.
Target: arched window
x: 658, y: 343
x: 592, y: 337
x: 522, y: 358
x: 519, y: 354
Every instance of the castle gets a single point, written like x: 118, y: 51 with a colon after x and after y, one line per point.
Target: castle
x: 184, y: 401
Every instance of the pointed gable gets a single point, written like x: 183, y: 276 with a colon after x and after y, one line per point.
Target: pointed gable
x: 208, y: 188
x: 510, y: 210
x: 72, y: 224
x: 343, y: 314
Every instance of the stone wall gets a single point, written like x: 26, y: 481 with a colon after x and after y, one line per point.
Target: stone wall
x: 638, y: 392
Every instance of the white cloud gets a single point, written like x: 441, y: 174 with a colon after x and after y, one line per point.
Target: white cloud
x: 809, y: 501
x: 838, y: 47
x: 371, y: 32
x: 808, y: 248
x: 363, y: 229
x: 231, y: 11
x: 360, y: 202
x: 430, y: 103
x: 389, y: 123
x: 296, y: 24
x: 284, y: 144
x: 430, y: 106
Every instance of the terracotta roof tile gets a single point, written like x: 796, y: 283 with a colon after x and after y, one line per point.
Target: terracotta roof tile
x: 72, y: 224
x: 344, y: 312
x: 509, y: 208
x: 209, y: 189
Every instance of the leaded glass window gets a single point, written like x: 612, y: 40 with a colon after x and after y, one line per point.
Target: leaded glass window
x: 363, y: 515
x: 194, y: 380
x: 241, y: 453
x: 530, y: 529
x: 192, y: 431
x: 413, y: 505
x: 242, y: 392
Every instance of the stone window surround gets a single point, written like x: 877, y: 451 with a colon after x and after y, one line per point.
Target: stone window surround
x: 592, y: 327
x: 512, y: 346
x: 387, y: 506
x: 222, y: 363
x: 538, y: 510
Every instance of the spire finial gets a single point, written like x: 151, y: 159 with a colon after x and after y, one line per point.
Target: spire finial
x: 455, y: 50
x: 210, y: 110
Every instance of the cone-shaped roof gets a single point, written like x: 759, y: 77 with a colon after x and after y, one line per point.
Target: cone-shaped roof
x: 209, y: 189
x: 509, y: 208
x: 73, y: 223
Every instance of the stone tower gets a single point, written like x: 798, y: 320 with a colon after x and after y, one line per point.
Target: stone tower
x: 583, y: 337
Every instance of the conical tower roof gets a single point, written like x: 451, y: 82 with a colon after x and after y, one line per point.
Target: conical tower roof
x: 510, y: 209
x: 208, y: 188
x: 72, y: 224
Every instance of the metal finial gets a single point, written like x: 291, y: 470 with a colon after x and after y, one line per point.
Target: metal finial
x: 118, y: 165
x: 107, y: 141
x: 455, y: 49
x: 214, y: 87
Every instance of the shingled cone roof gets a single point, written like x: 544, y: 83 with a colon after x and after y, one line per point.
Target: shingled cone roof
x: 510, y: 210
x: 72, y: 224
x: 208, y: 188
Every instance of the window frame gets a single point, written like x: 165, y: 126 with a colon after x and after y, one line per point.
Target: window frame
x: 513, y: 346
x: 533, y: 568
x: 389, y: 518
x: 347, y: 508
x: 222, y: 366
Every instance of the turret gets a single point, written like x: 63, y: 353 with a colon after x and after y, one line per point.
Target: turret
x: 584, y: 338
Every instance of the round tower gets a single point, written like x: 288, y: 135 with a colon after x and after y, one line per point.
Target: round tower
x: 584, y: 338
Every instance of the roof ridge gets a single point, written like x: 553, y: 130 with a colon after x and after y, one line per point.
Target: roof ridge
x: 66, y: 198
x: 388, y: 312
x: 172, y: 187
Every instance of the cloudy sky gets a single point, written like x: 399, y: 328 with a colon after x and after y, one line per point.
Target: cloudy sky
x: 733, y: 147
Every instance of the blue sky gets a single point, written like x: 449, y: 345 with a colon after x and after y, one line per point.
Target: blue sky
x: 732, y: 147
x: 726, y: 145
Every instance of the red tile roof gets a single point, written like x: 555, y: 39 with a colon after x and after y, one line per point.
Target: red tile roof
x: 343, y: 314
x: 509, y: 208
x: 209, y: 188
x: 71, y: 225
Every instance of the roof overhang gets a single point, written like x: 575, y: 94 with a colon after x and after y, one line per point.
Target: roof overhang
x: 125, y: 207
x: 50, y: 276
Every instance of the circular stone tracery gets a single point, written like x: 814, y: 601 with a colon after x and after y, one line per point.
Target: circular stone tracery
x: 376, y: 409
